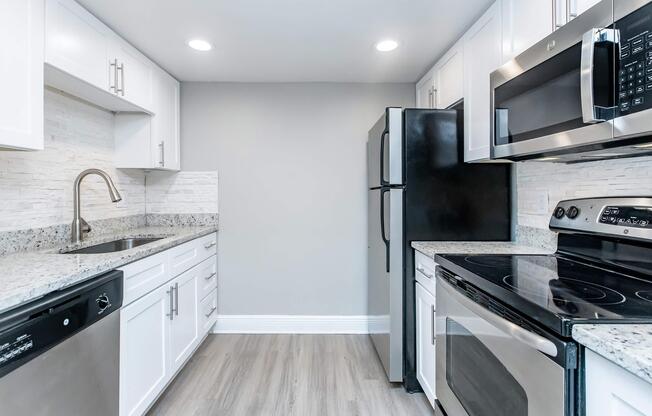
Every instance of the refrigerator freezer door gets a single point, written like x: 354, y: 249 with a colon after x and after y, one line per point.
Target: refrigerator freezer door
x: 385, y: 278
x: 385, y: 150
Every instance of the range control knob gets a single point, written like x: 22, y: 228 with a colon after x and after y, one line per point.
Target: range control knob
x: 559, y: 213
x: 103, y: 302
x: 573, y: 212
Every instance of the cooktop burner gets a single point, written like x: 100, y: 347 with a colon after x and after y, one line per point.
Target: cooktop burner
x: 571, y: 290
x: 645, y: 295
x: 555, y: 290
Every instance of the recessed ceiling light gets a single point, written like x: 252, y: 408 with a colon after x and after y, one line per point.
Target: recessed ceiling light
x: 386, y: 45
x: 200, y: 45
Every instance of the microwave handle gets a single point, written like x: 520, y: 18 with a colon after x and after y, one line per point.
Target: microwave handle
x: 515, y: 331
x: 589, y: 39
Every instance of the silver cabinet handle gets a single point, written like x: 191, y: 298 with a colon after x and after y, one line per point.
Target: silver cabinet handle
x: 555, y: 10
x: 176, y: 299
x: 213, y: 309
x: 432, y: 324
x: 520, y: 334
x: 589, y: 113
x: 421, y: 270
x: 210, y: 276
x: 122, y: 79
x: 430, y: 99
x: 161, y: 154
x: 210, y: 245
x: 114, y: 65
x: 570, y: 14
x: 171, y: 294
x: 434, y: 98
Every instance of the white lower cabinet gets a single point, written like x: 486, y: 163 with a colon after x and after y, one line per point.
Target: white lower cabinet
x: 613, y: 391
x: 425, y: 326
x: 144, y: 368
x: 161, y: 329
x: 183, y: 325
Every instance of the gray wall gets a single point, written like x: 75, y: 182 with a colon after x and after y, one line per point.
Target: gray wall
x: 291, y: 160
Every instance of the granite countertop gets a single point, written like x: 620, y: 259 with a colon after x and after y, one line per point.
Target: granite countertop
x: 28, y: 276
x: 431, y: 248
x: 628, y: 345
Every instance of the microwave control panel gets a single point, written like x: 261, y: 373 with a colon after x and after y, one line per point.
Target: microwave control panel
x: 634, y: 77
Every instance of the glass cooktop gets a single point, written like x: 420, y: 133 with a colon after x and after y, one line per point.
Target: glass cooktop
x: 557, y: 292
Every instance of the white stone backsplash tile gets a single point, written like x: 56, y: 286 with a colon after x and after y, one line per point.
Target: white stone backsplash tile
x: 618, y: 177
x: 36, y: 187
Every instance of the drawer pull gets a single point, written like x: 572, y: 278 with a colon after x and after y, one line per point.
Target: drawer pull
x: 210, y: 245
x: 421, y: 270
x: 213, y: 309
x: 210, y: 276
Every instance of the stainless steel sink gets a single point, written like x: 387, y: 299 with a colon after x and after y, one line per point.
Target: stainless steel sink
x: 113, y: 246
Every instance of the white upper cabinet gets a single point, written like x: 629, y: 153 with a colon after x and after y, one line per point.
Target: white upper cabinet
x: 21, y: 69
x: 132, y: 73
x: 77, y: 43
x: 524, y: 24
x: 426, y: 91
x: 88, y: 60
x: 151, y: 142
x: 482, y: 55
x: 443, y: 85
x: 450, y: 77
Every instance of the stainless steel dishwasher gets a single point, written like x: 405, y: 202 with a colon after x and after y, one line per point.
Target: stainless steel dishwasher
x: 59, y: 355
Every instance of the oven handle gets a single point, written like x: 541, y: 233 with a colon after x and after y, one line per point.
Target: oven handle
x: 589, y: 39
x: 526, y: 337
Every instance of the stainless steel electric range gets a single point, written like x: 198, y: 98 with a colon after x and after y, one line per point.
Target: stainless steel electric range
x: 504, y: 322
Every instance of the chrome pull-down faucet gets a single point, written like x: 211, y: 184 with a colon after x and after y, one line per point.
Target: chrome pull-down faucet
x: 79, y: 225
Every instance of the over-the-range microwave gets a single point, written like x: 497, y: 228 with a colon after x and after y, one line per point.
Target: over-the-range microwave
x: 583, y: 93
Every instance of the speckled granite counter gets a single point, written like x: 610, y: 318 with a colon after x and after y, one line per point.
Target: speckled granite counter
x: 27, y: 276
x: 629, y: 346
x: 431, y: 248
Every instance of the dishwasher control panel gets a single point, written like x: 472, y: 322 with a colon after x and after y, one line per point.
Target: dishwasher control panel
x: 32, y: 329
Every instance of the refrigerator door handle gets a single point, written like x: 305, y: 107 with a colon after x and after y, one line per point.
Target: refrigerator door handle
x: 382, y: 226
x: 384, y: 134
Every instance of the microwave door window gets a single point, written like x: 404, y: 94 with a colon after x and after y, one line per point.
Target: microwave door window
x: 542, y: 101
x: 477, y: 377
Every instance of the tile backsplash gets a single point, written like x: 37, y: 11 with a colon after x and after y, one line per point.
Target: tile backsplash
x: 541, y: 185
x: 36, y: 187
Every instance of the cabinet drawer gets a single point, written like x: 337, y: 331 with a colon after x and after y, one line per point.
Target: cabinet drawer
x: 193, y: 252
x: 144, y: 276
x: 208, y: 313
x: 207, y: 277
x: 424, y: 271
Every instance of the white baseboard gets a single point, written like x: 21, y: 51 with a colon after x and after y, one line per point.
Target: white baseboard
x: 295, y: 324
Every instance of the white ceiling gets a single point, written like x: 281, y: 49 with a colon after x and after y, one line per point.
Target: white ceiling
x: 291, y: 40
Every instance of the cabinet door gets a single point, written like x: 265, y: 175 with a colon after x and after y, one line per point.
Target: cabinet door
x: 21, y: 68
x: 183, y: 328
x: 144, y: 370
x: 426, y: 92
x: 165, y: 123
x: 613, y: 391
x: 450, y: 78
x: 77, y: 43
x: 524, y: 24
x: 425, y: 325
x: 482, y: 55
x: 577, y: 7
x: 134, y: 77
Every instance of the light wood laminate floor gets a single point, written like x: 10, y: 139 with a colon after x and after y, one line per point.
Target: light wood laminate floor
x: 302, y: 375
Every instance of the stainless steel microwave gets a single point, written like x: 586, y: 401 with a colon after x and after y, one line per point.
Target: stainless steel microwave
x: 583, y: 93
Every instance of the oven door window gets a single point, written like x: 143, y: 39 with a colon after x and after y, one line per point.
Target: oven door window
x: 478, y: 379
x: 547, y: 99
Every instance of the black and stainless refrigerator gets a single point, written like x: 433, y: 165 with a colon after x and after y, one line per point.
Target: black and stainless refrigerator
x: 420, y: 189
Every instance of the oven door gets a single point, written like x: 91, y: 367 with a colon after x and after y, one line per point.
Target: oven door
x: 560, y: 94
x: 487, y: 365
